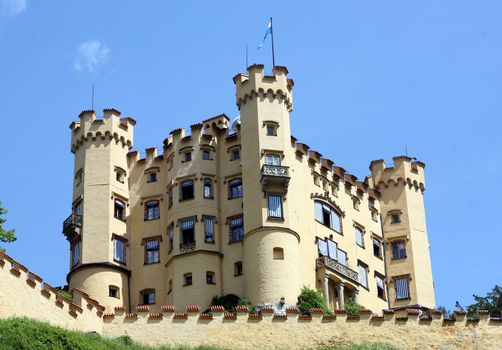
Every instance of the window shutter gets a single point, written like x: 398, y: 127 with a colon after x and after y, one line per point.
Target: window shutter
x: 332, y: 249
x: 322, y: 246
x: 318, y: 211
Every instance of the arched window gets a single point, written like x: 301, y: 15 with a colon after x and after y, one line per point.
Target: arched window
x: 272, y: 159
x: 278, y: 253
x: 328, y: 216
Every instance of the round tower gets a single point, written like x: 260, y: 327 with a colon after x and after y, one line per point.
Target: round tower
x: 270, y: 248
x: 96, y: 228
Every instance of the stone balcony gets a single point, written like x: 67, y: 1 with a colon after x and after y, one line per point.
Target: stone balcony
x: 72, y: 225
x: 275, y: 176
x: 338, y: 268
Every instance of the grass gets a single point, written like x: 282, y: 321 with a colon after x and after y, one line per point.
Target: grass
x: 27, y: 334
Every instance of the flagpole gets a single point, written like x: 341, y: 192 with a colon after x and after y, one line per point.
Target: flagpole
x: 272, y: 34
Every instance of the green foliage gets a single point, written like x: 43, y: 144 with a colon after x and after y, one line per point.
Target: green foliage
x: 310, y: 298
x: 352, y: 307
x: 491, y: 302
x: 447, y: 313
x: 26, y: 334
x: 6, y: 236
x: 228, y: 301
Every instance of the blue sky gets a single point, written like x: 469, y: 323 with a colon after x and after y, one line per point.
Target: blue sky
x: 371, y: 77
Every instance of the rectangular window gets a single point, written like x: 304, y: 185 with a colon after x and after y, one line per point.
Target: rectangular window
x: 332, y: 249
x: 380, y: 286
x: 77, y: 208
x: 75, y: 256
x: 188, y: 156
x: 170, y: 198
x: 152, y: 210
x: 208, y: 188
x: 187, y: 229
x: 235, y: 188
x: 119, y: 250
x: 119, y: 210
x: 186, y: 190
x: 152, y: 254
x: 148, y: 297
x: 236, y: 228
x: 322, y: 247
x: 363, y: 274
x: 377, y: 248
x: 187, y: 279
x: 170, y: 236
x: 359, y: 236
x: 395, y: 219
x: 238, y: 268
x: 402, y: 288
x: 113, y: 292
x: 342, y: 257
x: 206, y: 155
x: 275, y: 206
x: 273, y: 159
x: 398, y: 250
x: 210, y: 277
x: 152, y: 177
x: 236, y: 154
x: 208, y: 229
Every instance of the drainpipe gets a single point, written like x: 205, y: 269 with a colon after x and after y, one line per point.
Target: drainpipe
x: 384, y: 246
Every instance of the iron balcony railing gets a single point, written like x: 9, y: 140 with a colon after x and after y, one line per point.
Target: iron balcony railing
x: 73, y: 221
x: 337, y: 267
x: 275, y: 170
x: 187, y: 247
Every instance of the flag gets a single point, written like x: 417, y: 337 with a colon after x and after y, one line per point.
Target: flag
x: 269, y: 31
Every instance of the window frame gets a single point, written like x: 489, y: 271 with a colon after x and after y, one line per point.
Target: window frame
x: 122, y: 204
x: 406, y: 278
x: 205, y: 182
x: 383, y: 288
x: 170, y: 237
x: 114, y: 289
x: 213, y: 221
x: 75, y: 262
x: 124, y: 243
x: 234, y: 226
x: 212, y: 275
x: 281, y: 206
x: 148, y: 291
x: 272, y: 158
x: 182, y: 194
x: 361, y: 266
x: 332, y: 210
x: 362, y: 231
x: 235, y: 190
x: 193, y: 219
x: 238, y: 270
x: 147, y: 249
x: 380, y: 247
x: 155, y: 213
x: 186, y: 277
x: 397, y: 243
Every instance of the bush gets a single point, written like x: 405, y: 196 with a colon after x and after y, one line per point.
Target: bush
x: 310, y: 298
x: 352, y: 307
x: 228, y: 301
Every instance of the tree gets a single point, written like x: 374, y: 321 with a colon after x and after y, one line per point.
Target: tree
x: 491, y: 302
x: 6, y: 236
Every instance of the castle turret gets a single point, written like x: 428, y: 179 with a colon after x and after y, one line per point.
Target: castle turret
x: 271, y: 248
x: 96, y: 229
x: 407, y: 246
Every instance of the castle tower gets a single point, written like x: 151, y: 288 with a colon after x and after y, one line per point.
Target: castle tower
x: 409, y: 273
x: 271, y: 248
x: 96, y: 229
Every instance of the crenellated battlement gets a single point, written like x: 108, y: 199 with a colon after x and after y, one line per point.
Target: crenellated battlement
x: 110, y: 127
x: 257, y: 85
x: 405, y: 170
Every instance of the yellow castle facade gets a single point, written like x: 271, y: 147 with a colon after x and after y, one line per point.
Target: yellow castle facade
x: 241, y: 208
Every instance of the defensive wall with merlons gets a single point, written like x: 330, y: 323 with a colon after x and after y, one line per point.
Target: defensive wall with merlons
x: 25, y: 294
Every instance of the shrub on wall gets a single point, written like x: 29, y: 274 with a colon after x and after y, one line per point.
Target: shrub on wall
x: 352, y: 307
x: 310, y: 298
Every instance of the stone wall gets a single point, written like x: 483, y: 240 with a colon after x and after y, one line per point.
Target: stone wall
x: 24, y: 294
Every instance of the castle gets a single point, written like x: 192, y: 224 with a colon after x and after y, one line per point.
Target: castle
x: 241, y: 208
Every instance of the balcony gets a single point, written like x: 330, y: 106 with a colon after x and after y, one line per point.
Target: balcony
x: 275, y: 176
x: 187, y: 247
x: 338, y: 268
x: 72, y: 225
